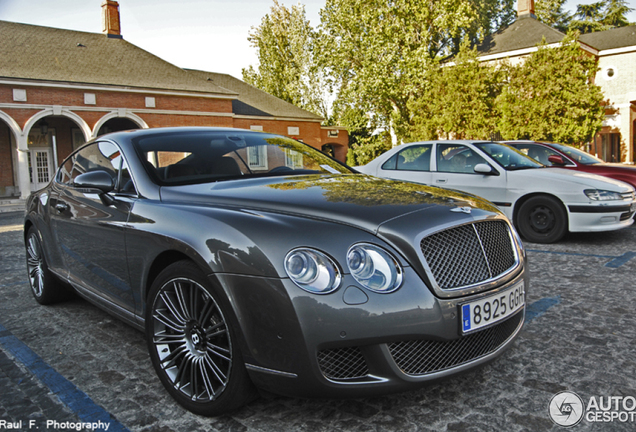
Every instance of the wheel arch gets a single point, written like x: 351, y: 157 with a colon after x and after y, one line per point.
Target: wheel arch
x: 523, y: 199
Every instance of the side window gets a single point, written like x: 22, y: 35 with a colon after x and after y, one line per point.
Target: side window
x: 456, y: 158
x: 101, y: 156
x: 538, y: 153
x: 414, y: 158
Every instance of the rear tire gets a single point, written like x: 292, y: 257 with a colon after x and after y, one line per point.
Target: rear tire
x: 45, y: 286
x: 542, y: 219
x: 193, y: 343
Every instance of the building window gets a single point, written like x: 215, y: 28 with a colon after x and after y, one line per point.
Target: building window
x: 293, y: 159
x: 257, y: 157
x: 609, y: 73
x: 90, y: 99
x: 19, y: 95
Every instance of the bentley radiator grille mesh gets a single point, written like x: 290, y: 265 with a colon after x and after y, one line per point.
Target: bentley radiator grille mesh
x: 342, y: 363
x: 469, y: 254
x: 421, y: 357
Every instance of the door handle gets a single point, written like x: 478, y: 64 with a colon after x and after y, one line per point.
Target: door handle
x: 441, y: 180
x: 61, y: 207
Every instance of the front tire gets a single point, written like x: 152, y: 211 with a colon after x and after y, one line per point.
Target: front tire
x: 193, y: 344
x: 45, y: 286
x: 542, y: 219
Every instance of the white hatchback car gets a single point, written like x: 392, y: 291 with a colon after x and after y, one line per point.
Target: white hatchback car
x: 543, y: 203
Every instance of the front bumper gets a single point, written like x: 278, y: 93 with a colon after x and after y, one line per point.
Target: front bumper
x: 595, y: 218
x: 341, y: 345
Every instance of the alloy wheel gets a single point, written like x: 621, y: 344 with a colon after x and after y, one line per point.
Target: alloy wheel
x: 35, y: 265
x: 192, y: 341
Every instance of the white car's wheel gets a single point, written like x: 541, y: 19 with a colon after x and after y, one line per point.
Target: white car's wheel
x: 542, y: 219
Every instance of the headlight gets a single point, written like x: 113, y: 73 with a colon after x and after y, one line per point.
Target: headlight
x: 312, y: 270
x: 374, y: 268
x: 602, y: 195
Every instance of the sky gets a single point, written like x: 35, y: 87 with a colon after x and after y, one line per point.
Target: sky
x: 196, y: 34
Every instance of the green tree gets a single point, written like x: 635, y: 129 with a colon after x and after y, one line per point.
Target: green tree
x: 551, y: 96
x: 379, y: 51
x: 588, y: 18
x: 287, y: 68
x: 461, y: 100
x: 616, y: 14
x: 551, y: 12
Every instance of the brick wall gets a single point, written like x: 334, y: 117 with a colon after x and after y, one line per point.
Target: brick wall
x: 6, y: 160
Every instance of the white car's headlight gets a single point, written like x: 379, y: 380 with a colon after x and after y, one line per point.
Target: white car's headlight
x: 602, y: 195
x: 374, y: 268
x: 312, y: 270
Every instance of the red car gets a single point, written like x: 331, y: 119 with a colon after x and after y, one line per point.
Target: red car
x: 563, y: 156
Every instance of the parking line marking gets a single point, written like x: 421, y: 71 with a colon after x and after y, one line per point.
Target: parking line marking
x: 616, y: 261
x: 78, y: 401
x: 619, y: 261
x: 539, y: 307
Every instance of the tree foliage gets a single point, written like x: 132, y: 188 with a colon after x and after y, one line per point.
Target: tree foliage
x: 551, y: 12
x: 287, y: 68
x: 551, y: 96
x: 380, y: 52
x: 601, y: 15
x: 461, y: 100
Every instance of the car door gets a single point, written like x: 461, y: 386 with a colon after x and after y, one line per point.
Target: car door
x: 413, y: 163
x: 90, y: 229
x: 455, y: 169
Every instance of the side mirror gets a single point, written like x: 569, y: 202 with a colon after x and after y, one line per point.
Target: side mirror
x: 556, y: 160
x: 485, y: 169
x: 99, y: 180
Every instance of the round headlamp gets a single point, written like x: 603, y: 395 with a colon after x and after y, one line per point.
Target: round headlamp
x: 374, y: 268
x: 312, y: 270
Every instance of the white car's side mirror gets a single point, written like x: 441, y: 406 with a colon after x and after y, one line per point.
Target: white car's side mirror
x: 483, y: 168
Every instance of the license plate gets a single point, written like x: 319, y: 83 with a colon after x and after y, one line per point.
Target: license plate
x: 489, y: 310
x: 632, y: 208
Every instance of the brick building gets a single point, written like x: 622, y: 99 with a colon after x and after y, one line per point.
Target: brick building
x: 60, y: 88
x: 615, y: 51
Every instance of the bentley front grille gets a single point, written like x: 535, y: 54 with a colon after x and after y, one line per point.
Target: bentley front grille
x: 469, y: 254
x: 421, y: 357
x: 342, y: 363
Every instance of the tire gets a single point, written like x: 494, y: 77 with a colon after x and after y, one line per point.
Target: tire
x: 45, y: 286
x: 194, y: 344
x: 542, y: 219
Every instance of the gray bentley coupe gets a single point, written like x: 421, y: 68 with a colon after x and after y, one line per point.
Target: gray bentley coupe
x: 252, y: 260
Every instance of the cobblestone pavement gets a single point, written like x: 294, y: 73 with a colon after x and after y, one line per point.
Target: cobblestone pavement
x: 580, y: 337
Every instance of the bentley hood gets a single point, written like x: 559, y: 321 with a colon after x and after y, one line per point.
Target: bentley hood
x: 359, y: 200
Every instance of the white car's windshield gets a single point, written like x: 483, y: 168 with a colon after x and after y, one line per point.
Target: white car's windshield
x: 577, y: 155
x: 508, y: 157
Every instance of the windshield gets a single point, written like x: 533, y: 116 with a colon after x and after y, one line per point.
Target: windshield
x: 193, y: 157
x: 577, y: 155
x: 508, y: 157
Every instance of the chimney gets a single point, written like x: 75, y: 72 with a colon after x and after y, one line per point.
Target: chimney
x: 110, y: 18
x: 525, y: 9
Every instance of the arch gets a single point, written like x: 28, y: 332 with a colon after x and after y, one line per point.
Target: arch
x: 13, y: 125
x: 86, y: 130
x: 116, y: 114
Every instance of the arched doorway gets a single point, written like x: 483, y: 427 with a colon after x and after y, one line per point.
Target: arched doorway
x: 9, y: 162
x: 49, y: 140
x: 117, y: 124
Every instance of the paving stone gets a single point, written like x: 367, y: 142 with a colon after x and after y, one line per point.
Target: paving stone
x: 584, y: 343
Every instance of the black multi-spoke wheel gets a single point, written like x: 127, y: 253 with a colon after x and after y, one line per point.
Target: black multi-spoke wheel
x: 542, y: 219
x: 192, y: 344
x: 46, y: 288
